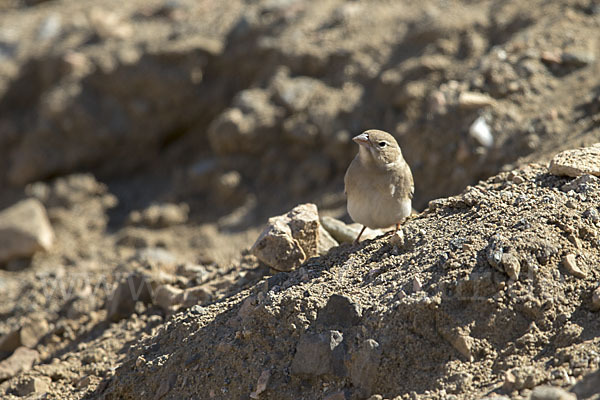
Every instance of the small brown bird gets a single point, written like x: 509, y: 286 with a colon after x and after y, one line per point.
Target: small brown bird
x: 379, y: 184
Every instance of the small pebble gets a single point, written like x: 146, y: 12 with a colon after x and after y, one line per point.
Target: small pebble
x: 480, y: 131
x: 570, y: 264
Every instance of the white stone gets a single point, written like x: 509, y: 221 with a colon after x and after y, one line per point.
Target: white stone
x: 24, y: 229
x: 480, y: 131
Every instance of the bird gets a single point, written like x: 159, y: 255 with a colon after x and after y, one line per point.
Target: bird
x: 378, y: 184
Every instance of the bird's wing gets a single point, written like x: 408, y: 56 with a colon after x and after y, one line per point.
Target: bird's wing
x: 403, y: 183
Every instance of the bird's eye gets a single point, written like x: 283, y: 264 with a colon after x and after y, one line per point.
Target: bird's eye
x: 382, y: 144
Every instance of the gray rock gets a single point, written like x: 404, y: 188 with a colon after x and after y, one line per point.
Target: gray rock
x: 577, y: 58
x: 582, y: 184
x: 21, y: 360
x: 261, y: 384
x: 246, y: 127
x: 160, y: 215
x: 33, y: 330
x: 577, y: 162
x: 121, y: 304
x: 518, y: 378
x: 315, y: 354
x: 364, y: 365
x: 326, y: 241
x: 290, y: 239
x: 551, y: 393
x: 195, y: 295
x: 340, y: 312
x: 34, y: 384
x: 168, y: 297
x: 588, y: 387
x: 24, y: 230
x: 346, y: 233
x: 156, y: 256
x: 495, y: 251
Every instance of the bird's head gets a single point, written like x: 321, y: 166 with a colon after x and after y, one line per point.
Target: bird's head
x: 378, y: 148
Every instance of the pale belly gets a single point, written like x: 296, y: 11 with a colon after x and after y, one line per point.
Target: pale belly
x: 378, y: 211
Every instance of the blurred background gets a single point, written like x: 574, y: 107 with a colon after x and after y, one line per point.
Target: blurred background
x: 255, y: 102
x: 168, y: 131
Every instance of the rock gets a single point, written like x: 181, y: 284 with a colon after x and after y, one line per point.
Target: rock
x: 32, y: 331
x: 315, y: 354
x: 511, y: 265
x: 156, y: 256
x: 416, y: 285
x: 160, y: 215
x: 582, y: 184
x: 551, y: 57
x: 121, y: 304
x: 33, y: 385
x: 326, y: 241
x: 165, y: 386
x: 168, y: 297
x: 290, y: 239
x: 596, y: 299
x: 196, y: 295
x: 495, y: 251
x: 109, y: 25
x: 463, y: 344
x: 10, y: 341
x: 500, y: 257
x: 397, y: 239
x: 577, y: 162
x: 345, y: 233
x: 133, y: 237
x: 570, y: 264
x: 340, y: 312
x: 473, y: 100
x: 551, y: 393
x: 246, y: 127
x: 24, y: 229
x: 21, y: 360
x: 364, y: 365
x: 522, y: 378
x: 277, y: 248
x: 481, y: 133
x: 247, y: 308
x: 261, y: 384
x: 227, y: 185
x: 577, y: 58
x: 592, y: 214
x: 50, y: 27
x: 588, y: 387
x: 83, y: 382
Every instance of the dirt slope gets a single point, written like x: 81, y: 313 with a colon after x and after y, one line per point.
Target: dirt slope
x: 442, y: 318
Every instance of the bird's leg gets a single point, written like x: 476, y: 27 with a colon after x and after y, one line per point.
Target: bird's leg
x: 396, y: 230
x: 358, y: 237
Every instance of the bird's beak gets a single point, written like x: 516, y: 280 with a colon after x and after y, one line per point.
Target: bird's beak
x: 362, y: 139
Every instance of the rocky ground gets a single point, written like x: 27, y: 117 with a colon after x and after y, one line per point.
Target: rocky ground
x: 145, y: 144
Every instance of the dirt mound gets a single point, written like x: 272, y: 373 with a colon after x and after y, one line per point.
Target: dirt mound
x: 435, y: 315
